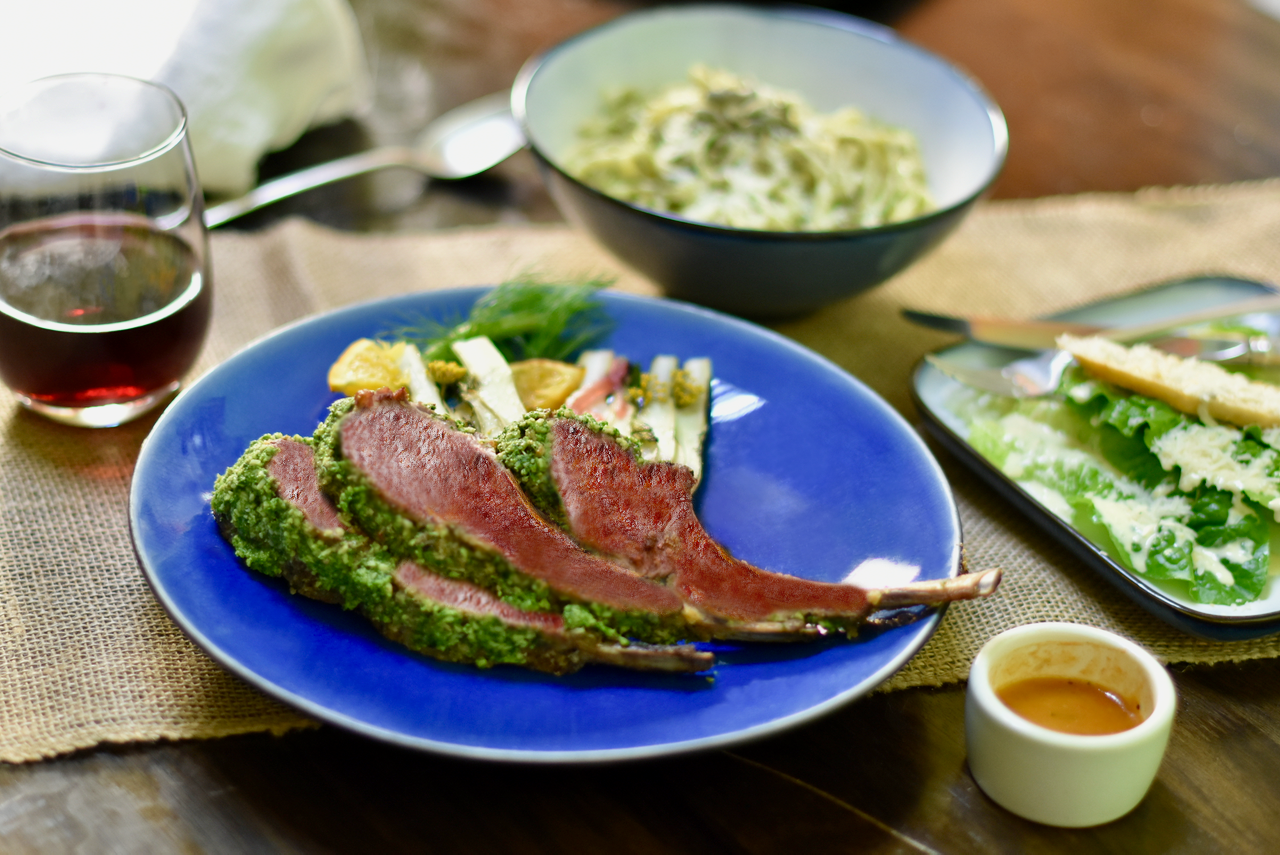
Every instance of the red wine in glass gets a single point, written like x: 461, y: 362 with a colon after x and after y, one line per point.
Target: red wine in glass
x: 104, y: 277
x: 98, y: 309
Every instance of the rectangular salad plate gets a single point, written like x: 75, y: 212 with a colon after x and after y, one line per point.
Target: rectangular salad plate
x: 936, y: 396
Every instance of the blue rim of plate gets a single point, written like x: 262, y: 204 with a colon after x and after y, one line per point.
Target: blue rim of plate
x: 930, y: 389
x: 807, y: 472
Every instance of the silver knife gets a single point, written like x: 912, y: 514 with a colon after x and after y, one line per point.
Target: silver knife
x: 1025, y: 335
x: 1042, y: 334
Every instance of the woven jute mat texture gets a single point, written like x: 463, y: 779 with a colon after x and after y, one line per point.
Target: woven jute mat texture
x: 87, y: 655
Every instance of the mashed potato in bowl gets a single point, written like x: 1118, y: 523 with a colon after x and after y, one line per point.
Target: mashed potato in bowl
x: 721, y: 148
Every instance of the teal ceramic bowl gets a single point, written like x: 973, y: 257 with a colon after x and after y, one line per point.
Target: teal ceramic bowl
x: 832, y: 60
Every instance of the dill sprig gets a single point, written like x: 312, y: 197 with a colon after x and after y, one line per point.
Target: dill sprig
x: 525, y: 318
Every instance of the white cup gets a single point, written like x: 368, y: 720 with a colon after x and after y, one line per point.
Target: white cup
x: 1057, y: 778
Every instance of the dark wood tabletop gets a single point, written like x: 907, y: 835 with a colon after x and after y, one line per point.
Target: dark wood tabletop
x: 1100, y: 95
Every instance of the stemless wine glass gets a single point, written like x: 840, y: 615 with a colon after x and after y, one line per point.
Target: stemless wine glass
x: 104, y: 266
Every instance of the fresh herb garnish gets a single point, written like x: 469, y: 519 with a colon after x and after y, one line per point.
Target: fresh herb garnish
x: 525, y: 318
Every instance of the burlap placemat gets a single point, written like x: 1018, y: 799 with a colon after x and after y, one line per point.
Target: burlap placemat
x: 88, y: 656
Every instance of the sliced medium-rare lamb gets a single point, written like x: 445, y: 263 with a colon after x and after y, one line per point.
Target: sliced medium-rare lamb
x: 270, y: 507
x: 641, y: 514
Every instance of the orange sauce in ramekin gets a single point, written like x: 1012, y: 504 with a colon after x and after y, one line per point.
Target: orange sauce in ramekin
x: 1070, y: 706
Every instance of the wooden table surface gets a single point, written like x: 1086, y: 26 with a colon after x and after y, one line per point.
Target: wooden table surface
x: 1100, y: 95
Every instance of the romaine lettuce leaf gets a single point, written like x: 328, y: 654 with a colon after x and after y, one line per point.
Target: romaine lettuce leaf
x: 1242, y: 461
x: 1088, y: 454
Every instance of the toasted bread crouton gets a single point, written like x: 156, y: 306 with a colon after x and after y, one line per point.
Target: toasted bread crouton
x: 1197, y: 388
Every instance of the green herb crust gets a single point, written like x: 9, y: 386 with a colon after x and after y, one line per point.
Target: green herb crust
x: 273, y: 537
x: 448, y: 551
x: 524, y: 448
x: 435, y: 546
x: 268, y: 533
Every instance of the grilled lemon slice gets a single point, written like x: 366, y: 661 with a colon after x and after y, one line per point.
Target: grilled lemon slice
x: 545, y: 383
x: 368, y: 364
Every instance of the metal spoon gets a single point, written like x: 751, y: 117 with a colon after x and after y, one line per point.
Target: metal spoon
x: 463, y: 142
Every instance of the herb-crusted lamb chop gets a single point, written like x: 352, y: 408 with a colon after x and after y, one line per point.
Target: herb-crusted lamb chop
x: 543, y: 539
x: 432, y: 492
x: 271, y: 509
x: 595, y: 485
x: 650, y: 571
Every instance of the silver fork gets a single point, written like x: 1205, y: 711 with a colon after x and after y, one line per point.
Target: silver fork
x: 1040, y: 374
x: 1025, y: 378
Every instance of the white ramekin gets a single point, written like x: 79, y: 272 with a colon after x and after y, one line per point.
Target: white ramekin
x: 1056, y: 778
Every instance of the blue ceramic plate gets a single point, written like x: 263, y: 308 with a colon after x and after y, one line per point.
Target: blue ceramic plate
x: 807, y: 472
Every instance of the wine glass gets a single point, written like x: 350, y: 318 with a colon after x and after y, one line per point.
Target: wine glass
x: 105, y: 286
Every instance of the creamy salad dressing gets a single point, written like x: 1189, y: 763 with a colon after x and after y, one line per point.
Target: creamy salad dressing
x: 1056, y: 503
x: 1209, y: 559
x: 1203, y: 454
x: 1135, y: 524
x: 1034, y: 444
